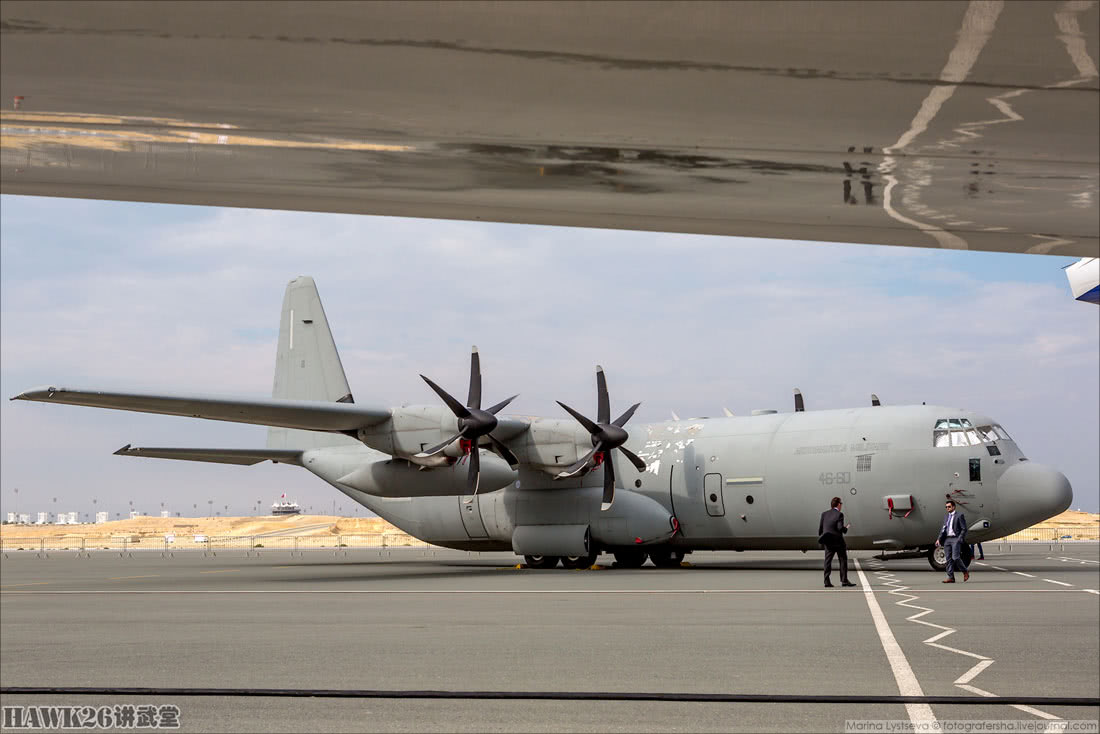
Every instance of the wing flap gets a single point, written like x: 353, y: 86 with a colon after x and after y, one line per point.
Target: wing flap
x: 305, y: 414
x: 243, y: 457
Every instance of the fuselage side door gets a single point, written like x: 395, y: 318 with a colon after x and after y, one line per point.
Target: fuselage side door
x: 469, y: 508
x: 712, y: 495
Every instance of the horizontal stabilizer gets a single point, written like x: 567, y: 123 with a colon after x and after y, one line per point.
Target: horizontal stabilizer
x: 244, y: 457
x: 305, y: 414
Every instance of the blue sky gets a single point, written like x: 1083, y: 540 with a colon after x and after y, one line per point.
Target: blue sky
x: 158, y: 297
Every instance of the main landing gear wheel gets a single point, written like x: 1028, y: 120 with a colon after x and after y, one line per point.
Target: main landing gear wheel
x: 937, y: 558
x: 630, y: 558
x: 666, y: 557
x: 541, y: 561
x: 580, y: 561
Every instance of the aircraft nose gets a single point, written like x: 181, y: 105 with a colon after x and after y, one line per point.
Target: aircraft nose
x: 1032, y: 493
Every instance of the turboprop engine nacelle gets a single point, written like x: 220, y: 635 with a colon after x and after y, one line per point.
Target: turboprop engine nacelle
x: 399, y: 478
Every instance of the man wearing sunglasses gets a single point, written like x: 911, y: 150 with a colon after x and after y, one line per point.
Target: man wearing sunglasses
x: 953, y: 538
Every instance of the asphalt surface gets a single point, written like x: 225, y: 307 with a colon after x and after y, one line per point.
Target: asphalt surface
x: 442, y: 620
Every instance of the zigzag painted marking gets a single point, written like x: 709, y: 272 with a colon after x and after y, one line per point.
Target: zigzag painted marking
x: 889, y: 578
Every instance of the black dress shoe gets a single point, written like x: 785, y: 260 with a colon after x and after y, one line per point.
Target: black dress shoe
x: 828, y: 585
x: 847, y: 583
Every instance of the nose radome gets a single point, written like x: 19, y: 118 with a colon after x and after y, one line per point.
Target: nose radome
x: 1032, y: 493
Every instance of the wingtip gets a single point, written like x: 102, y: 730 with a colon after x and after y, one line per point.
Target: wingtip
x: 599, y: 368
x: 473, y: 349
x: 123, y: 451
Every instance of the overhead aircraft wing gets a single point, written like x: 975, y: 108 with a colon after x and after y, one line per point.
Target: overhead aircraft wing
x: 244, y: 457
x: 303, y: 414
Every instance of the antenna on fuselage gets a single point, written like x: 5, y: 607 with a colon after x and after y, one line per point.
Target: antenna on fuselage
x: 799, y: 403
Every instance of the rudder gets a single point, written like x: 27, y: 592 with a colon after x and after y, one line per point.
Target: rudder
x: 307, y: 365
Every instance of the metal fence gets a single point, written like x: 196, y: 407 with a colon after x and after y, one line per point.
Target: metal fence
x: 88, y: 544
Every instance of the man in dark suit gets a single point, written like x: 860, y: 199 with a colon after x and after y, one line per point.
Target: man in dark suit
x: 953, y: 539
x: 830, y: 532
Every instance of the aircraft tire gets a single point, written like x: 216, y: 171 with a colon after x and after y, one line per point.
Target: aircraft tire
x: 937, y: 558
x: 666, y: 557
x: 541, y: 561
x: 630, y: 558
x: 581, y: 562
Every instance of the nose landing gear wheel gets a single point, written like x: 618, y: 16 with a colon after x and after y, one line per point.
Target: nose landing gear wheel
x: 541, y: 561
x: 630, y: 558
x: 937, y: 558
x: 666, y: 557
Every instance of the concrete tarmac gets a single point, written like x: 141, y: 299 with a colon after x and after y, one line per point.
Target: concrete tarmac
x: 1027, y: 623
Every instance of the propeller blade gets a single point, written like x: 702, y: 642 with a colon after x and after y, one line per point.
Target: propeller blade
x: 456, y: 407
x: 634, y: 458
x: 875, y: 400
x: 436, y: 449
x: 608, y: 484
x: 501, y: 405
x: 473, y: 479
x: 622, y: 419
x: 603, y: 402
x: 504, y: 451
x: 576, y: 468
x: 588, y: 425
x: 799, y: 403
x: 475, y: 380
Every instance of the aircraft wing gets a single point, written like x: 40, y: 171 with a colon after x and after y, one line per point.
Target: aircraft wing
x: 303, y: 414
x: 244, y: 457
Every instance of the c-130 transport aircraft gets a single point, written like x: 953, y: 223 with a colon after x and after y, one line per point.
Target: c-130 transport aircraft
x: 556, y: 490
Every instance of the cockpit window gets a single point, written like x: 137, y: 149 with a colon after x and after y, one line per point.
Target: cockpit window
x: 961, y: 432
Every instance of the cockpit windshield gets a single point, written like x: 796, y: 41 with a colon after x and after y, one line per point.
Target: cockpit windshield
x: 961, y: 432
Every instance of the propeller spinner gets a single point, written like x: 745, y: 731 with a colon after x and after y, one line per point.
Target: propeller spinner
x: 473, y: 423
x: 607, y: 435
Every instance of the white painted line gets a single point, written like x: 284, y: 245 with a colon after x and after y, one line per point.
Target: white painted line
x: 973, y: 672
x: 1064, y: 559
x: 1021, y: 573
x: 515, y: 592
x: 998, y: 568
x: 1060, y: 583
x: 1093, y: 591
x: 907, y: 682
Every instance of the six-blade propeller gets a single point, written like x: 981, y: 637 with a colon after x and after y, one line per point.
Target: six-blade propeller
x: 607, y: 435
x: 473, y: 423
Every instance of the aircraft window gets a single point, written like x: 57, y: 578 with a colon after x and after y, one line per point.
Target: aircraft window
x: 975, y: 439
x: 993, y: 450
x: 966, y: 423
x: 1001, y: 432
x: 954, y: 423
x: 941, y: 424
x: 975, y: 470
x: 987, y: 433
x: 958, y: 438
x: 940, y: 439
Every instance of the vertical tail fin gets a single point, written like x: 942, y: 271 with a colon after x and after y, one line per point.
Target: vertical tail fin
x: 307, y: 365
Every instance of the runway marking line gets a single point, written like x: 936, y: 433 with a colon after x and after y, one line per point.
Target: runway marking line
x: 32, y: 583
x: 222, y: 570
x: 122, y: 578
x: 1060, y: 583
x: 1092, y: 591
x: 1064, y: 559
x: 906, y: 680
x: 963, y: 681
x: 520, y: 592
x: 1025, y: 575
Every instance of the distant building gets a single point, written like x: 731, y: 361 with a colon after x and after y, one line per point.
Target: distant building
x: 74, y: 518
x: 101, y: 517
x: 164, y: 513
x: 24, y: 519
x: 61, y: 519
x: 134, y: 514
x: 43, y: 518
x: 12, y: 518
